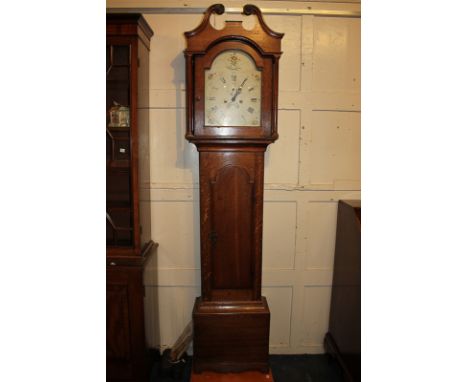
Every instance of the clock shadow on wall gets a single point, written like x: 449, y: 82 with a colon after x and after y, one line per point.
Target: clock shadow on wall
x: 186, y: 152
x: 184, y: 149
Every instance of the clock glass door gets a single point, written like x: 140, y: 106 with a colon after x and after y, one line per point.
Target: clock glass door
x: 233, y: 90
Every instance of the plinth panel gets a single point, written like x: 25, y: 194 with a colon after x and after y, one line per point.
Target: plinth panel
x: 231, y: 336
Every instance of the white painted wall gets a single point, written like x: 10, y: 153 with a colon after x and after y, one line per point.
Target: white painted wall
x: 315, y: 162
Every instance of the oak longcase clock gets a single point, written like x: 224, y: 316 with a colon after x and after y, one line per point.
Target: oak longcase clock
x: 232, y: 93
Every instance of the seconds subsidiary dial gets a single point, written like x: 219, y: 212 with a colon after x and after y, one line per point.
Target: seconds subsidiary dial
x: 233, y: 91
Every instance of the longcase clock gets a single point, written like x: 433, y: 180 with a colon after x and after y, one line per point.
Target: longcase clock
x: 232, y: 95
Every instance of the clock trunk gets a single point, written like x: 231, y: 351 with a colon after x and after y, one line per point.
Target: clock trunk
x: 231, y: 207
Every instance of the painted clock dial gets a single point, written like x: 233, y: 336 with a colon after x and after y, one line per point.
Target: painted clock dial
x: 233, y: 91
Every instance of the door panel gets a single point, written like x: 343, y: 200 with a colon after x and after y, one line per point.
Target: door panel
x: 117, y: 338
x: 231, y: 233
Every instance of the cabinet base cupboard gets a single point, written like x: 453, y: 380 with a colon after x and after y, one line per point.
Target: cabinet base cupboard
x: 127, y: 357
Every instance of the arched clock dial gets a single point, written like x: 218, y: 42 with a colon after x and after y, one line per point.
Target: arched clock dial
x: 233, y: 91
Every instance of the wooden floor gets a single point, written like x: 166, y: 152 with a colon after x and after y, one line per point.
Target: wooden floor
x: 248, y: 376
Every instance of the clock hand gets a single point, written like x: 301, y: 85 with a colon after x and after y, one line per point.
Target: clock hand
x: 239, y: 89
x: 236, y: 94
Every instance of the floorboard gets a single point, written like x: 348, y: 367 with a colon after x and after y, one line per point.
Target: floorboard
x: 249, y: 376
x: 284, y: 368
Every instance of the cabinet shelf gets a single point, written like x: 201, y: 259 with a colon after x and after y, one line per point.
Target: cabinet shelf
x: 118, y: 164
x: 114, y: 204
x: 118, y: 129
x: 112, y: 82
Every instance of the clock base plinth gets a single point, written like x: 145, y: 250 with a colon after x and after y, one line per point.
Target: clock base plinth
x: 230, y: 336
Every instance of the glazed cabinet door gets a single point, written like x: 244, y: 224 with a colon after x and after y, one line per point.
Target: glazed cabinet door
x: 119, y: 207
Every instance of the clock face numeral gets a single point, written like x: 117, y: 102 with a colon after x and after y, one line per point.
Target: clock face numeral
x: 236, y: 103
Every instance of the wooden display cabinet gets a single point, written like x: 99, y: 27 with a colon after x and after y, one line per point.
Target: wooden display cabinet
x: 343, y: 339
x: 128, y: 226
